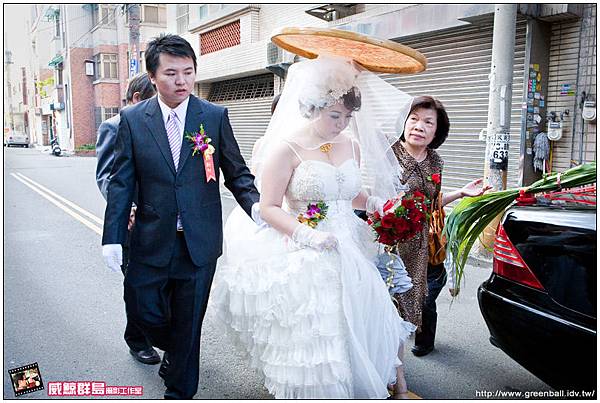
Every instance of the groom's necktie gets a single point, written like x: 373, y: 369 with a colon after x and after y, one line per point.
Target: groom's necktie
x: 174, y: 137
x: 175, y: 144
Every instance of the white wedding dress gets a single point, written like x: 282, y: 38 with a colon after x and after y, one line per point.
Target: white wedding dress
x: 315, y: 324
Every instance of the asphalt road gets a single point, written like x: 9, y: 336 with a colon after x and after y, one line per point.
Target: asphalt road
x: 64, y: 310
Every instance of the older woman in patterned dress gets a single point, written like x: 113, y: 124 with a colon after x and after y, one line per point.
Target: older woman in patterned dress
x: 425, y: 129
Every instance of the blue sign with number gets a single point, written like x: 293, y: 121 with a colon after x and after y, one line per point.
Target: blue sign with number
x: 133, y: 67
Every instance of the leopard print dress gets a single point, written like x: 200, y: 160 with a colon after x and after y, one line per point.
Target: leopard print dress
x: 414, y: 252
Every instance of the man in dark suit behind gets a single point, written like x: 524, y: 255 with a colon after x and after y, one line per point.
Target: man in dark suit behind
x: 138, y: 89
x: 177, y: 236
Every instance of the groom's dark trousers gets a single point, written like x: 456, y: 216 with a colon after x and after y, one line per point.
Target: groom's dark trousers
x: 170, y: 272
x: 153, y: 293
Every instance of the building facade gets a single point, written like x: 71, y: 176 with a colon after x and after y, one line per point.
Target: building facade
x: 555, y: 52
x: 82, y: 61
x: 236, y: 58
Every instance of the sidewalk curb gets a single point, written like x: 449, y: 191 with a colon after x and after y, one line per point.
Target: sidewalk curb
x: 479, y: 260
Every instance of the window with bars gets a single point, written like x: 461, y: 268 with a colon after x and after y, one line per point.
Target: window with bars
x: 57, y: 24
x: 242, y: 88
x: 108, y: 113
x: 154, y: 14
x: 182, y: 17
x: 102, y: 14
x: 106, y: 65
x: 203, y: 11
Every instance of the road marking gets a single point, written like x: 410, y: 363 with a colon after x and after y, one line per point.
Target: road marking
x: 23, y: 179
x: 62, y: 199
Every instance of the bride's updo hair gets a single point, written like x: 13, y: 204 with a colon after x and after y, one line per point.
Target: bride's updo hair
x: 325, y: 82
x: 351, y: 100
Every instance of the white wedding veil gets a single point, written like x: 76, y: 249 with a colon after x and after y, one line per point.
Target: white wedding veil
x: 321, y: 82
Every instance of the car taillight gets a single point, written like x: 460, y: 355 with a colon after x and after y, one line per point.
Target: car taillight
x: 508, y: 262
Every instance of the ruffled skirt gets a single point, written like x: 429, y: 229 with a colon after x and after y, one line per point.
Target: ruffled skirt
x: 315, y: 325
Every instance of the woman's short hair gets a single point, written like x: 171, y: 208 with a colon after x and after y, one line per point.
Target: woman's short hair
x: 351, y: 100
x: 443, y: 123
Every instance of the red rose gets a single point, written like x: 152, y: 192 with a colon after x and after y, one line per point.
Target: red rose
x: 417, y: 194
x: 436, y: 178
x: 409, y: 204
x: 376, y: 216
x: 386, y: 239
x: 415, y: 215
x: 416, y: 225
x: 401, y: 226
x: 388, y: 220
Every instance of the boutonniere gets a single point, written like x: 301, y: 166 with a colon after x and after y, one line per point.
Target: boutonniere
x: 201, y: 144
x: 315, y: 213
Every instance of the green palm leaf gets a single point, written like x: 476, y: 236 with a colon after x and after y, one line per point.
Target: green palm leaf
x: 473, y: 214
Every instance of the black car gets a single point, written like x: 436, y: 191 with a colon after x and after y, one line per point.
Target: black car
x: 540, y: 301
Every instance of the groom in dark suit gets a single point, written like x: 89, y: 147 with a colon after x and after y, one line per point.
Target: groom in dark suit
x: 177, y: 236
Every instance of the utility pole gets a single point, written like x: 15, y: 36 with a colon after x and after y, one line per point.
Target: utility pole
x: 133, y: 11
x: 500, y: 101
x: 500, y: 105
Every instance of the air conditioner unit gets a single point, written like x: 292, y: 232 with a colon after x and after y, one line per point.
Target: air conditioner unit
x: 278, y: 60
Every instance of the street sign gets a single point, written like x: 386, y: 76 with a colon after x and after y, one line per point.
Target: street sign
x: 133, y: 67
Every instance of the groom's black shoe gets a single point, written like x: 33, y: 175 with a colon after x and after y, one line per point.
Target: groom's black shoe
x: 148, y: 356
x: 419, y: 351
x: 164, y: 367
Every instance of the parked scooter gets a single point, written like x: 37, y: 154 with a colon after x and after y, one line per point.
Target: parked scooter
x: 55, y: 147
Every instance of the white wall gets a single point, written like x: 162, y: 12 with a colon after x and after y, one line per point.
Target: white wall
x: 274, y: 16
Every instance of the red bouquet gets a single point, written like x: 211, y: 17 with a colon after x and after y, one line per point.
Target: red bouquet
x: 403, y: 217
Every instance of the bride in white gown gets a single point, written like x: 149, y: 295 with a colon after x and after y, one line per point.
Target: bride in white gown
x: 307, y: 304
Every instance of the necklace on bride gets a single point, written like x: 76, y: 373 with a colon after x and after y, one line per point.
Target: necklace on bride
x: 325, y: 148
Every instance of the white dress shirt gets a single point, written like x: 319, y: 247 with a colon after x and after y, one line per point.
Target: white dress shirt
x: 180, y: 111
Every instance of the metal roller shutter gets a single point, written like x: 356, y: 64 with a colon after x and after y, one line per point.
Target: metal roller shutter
x: 248, y: 101
x: 249, y: 119
x: 459, y: 62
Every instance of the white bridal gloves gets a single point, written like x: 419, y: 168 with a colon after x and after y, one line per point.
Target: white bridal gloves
x: 374, y: 204
x: 255, y: 212
x: 319, y: 240
x: 113, y: 256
